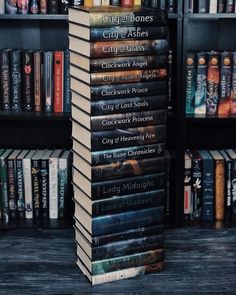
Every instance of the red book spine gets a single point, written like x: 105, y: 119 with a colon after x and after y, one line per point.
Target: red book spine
x: 58, y: 81
x: 127, y: 2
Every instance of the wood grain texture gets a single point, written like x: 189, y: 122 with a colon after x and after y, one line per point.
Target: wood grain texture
x: 198, y: 261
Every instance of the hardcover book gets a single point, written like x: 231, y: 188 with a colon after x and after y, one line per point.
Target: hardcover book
x: 53, y: 6
x: 2, y: 6
x: 27, y: 80
x: 187, y: 186
x: 118, y: 63
x: 190, y: 83
x: 117, y: 16
x: 233, y: 85
x: 58, y: 81
x: 221, y: 6
x: 16, y: 80
x: 67, y: 91
x: 201, y: 84
x: 38, y: 74
x: 213, y: 6
x: 48, y: 81
x: 1, y: 184
x: 117, y: 33
x: 5, y: 78
x: 203, y: 6
x: 118, y: 48
x: 229, y: 7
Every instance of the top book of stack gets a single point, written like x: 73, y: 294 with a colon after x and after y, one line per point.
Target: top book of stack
x: 117, y: 16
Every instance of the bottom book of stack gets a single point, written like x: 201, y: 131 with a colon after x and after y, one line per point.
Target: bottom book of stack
x: 120, y: 236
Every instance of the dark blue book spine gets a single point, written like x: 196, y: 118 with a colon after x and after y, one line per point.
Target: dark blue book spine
x: 124, y: 221
x: 67, y: 92
x: 16, y: 81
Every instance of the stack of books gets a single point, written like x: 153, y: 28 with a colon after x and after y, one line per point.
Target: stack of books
x: 119, y: 59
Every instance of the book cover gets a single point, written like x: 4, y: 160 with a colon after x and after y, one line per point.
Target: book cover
x: 113, y: 223
x: 203, y: 6
x: 16, y: 80
x: 27, y: 80
x: 48, y: 81
x: 5, y: 78
x: 117, y: 121
x: 117, y: 33
x: 187, y: 186
x: 67, y: 91
x: 123, y: 105
x: 213, y: 80
x: 124, y: 90
x: 221, y: 6
x: 119, y: 187
x: 233, y: 85
x: 219, y: 185
x: 190, y: 83
x: 207, y: 186
x: 53, y: 6
x: 119, y: 76
x: 118, y: 48
x: 121, y: 154
x: 38, y: 74
x: 111, y: 16
x: 111, y: 139
x: 224, y: 107
x: 201, y: 84
x: 120, y: 169
x: 58, y: 81
x: 118, y: 63
x: 20, y: 190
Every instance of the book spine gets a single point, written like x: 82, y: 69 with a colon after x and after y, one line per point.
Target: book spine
x: 208, y: 190
x: 67, y: 92
x: 233, y: 85
x: 43, y: 6
x: 129, y: 18
x: 228, y: 182
x: 171, y: 6
x: 5, y: 76
x: 127, y: 63
x: 128, y: 247
x: 48, y: 81
x: 53, y: 188
x: 203, y: 6
x: 111, y: 139
x: 12, y: 188
x: 4, y: 190
x: 115, y: 2
x: 201, y: 84
x: 224, y: 107
x: 130, y: 153
x: 126, y: 120
x: 53, y: 6
x: 62, y: 186
x: 126, y: 203
x: 190, y: 6
x: 139, y: 259
x: 127, y: 273
x: 221, y: 6
x: 2, y: 6
x: 44, y: 176
x: 124, y: 221
x: 38, y: 81
x: 130, y: 234
x: 76, y: 2
x: 34, y: 6
x: 126, y: 105
x: 35, y: 174
x: 170, y: 62
x: 213, y: 6
x: 190, y: 84
x: 28, y: 188
x: 219, y: 190
x: 20, y: 189
x: 196, y: 210
x: 126, y: 33
x: 63, y: 6
x: 128, y: 168
x: 16, y: 81
x: 11, y: 7
x: 58, y: 81
x: 229, y: 6
x: 27, y: 81
x: 23, y: 6
x: 105, y: 2
x: 233, y: 192
x: 213, y: 77
x: 187, y: 188
x: 124, y: 48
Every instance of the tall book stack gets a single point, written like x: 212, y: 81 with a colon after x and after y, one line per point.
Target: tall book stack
x: 118, y: 70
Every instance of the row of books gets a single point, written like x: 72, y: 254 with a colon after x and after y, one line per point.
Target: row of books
x: 34, y: 184
x: 34, y: 6
x: 209, y: 185
x: 34, y: 81
x: 211, y: 83
x: 211, y: 6
x: 119, y: 133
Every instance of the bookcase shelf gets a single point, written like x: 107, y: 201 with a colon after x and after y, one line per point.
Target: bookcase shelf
x: 35, y: 116
x: 210, y: 16
x: 53, y: 17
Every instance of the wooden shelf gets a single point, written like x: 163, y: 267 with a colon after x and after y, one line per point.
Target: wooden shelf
x: 53, y: 17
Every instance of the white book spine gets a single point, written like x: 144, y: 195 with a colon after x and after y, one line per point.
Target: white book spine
x: 62, y: 179
x: 97, y: 2
x: 213, y: 6
x: 53, y: 188
x: 2, y: 6
x: 28, y: 188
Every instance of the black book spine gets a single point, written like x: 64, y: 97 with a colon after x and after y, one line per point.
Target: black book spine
x: 16, y: 81
x: 138, y: 184
x: 163, y: 4
x: 12, y: 188
x: 5, y: 86
x: 63, y: 6
x: 221, y: 6
x: 196, y: 188
x: 115, y: 2
x: 130, y: 234
x: 76, y: 2
x: 203, y: 6
x: 67, y: 92
x: 20, y: 189
x: 53, y: 6
x: 27, y: 81
x: 171, y: 6
x: 44, y: 187
x: 35, y: 172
